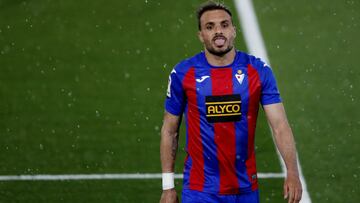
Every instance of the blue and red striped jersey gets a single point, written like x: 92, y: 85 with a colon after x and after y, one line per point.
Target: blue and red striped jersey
x: 220, y: 105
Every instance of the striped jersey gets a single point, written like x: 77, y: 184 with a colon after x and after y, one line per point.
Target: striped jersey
x: 220, y: 105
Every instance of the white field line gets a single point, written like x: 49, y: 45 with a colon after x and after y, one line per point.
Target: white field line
x: 256, y: 46
x: 120, y: 176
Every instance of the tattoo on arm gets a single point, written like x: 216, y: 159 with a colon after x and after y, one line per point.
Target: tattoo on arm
x: 174, y: 146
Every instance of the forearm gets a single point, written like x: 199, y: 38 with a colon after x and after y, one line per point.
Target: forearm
x: 168, y: 149
x: 285, y: 143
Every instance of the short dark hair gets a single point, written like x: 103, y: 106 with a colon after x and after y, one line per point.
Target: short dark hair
x: 209, y: 6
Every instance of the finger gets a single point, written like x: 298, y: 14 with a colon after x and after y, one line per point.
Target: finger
x: 291, y: 195
x: 285, y: 191
x: 298, y: 195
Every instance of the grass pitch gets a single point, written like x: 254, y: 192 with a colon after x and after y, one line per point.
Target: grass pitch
x: 82, y: 86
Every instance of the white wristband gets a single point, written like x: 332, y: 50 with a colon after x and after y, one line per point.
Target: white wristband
x: 167, y: 181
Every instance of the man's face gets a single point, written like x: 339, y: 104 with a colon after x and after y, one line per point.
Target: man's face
x: 217, y: 32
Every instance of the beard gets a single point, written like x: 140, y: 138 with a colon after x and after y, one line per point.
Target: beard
x: 220, y: 51
x: 215, y: 52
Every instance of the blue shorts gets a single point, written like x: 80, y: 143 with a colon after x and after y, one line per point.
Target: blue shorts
x: 193, y: 196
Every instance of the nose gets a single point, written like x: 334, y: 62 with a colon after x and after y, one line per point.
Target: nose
x: 218, y: 29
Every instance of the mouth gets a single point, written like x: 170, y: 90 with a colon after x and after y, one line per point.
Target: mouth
x: 219, y: 41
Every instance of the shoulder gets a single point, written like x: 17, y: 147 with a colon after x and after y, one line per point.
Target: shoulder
x: 254, y: 61
x: 185, y: 65
x: 256, y: 65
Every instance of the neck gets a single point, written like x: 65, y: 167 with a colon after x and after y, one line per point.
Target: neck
x: 224, y: 60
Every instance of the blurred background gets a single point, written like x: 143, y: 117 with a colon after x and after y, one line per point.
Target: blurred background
x: 82, y: 86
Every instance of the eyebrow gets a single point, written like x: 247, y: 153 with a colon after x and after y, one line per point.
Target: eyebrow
x: 209, y: 23
x: 225, y: 21
x: 212, y: 23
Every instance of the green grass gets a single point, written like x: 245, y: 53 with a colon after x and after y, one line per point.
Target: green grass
x: 76, y: 81
x: 105, y: 191
x: 313, y: 48
x: 82, y: 86
x: 83, y: 191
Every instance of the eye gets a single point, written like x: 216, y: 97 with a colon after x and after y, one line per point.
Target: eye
x: 225, y: 25
x: 209, y: 27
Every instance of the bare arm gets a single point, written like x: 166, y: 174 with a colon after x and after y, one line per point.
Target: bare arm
x: 169, y: 142
x: 168, y: 148
x: 284, y: 140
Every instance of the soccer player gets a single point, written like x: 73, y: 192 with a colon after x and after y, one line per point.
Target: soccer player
x: 219, y: 92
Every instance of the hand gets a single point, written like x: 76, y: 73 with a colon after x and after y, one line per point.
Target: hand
x: 169, y: 196
x: 292, y: 189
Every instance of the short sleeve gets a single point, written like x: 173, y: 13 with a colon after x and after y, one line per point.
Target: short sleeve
x: 270, y: 92
x: 175, y: 95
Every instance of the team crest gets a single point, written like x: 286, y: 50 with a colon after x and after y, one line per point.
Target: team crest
x: 240, y: 76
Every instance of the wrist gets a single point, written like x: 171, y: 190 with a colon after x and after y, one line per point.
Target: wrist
x: 168, y: 181
x: 292, y: 173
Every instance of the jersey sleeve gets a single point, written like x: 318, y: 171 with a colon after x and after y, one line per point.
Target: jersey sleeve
x: 270, y: 92
x: 175, y: 95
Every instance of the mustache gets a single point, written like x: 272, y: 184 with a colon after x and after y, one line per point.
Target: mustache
x: 217, y: 36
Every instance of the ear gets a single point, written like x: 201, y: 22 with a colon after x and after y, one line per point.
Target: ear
x: 234, y: 31
x: 200, y: 37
